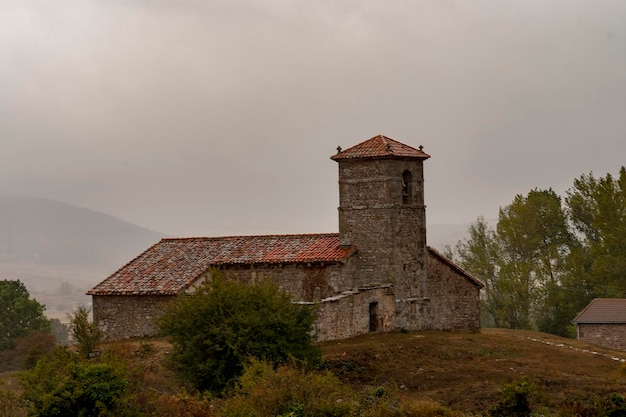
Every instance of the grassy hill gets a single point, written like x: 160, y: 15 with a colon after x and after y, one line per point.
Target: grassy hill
x: 464, y: 372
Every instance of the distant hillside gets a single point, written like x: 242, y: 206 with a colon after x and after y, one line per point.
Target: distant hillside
x: 46, y: 232
x: 59, y: 251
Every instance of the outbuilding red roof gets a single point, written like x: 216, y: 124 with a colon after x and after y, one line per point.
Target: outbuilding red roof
x: 171, y: 265
x: 603, y: 310
x: 380, y: 147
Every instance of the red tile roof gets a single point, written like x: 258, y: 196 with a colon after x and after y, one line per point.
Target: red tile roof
x: 603, y: 310
x: 171, y: 265
x: 380, y: 147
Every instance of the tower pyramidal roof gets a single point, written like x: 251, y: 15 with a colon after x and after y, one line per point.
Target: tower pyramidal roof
x: 380, y: 147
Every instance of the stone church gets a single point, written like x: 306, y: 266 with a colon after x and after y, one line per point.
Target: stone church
x: 377, y: 274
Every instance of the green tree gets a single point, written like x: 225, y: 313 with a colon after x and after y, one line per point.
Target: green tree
x: 535, y: 241
x: 217, y: 329
x: 19, y: 314
x: 546, y: 260
x: 522, y: 262
x: 479, y: 254
x: 597, y: 207
x: 84, y: 332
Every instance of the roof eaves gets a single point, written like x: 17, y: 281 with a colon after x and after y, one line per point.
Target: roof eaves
x: 371, y: 149
x: 457, y: 268
x: 94, y: 291
x: 580, y: 318
x: 579, y: 315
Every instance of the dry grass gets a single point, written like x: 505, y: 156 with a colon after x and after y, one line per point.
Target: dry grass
x: 465, y: 371
x: 462, y: 371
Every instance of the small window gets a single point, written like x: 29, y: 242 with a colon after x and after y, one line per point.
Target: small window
x: 406, y: 187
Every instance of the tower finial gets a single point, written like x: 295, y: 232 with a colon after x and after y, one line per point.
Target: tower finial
x: 338, y: 149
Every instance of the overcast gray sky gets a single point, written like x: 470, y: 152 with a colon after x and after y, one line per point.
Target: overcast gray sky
x: 209, y: 117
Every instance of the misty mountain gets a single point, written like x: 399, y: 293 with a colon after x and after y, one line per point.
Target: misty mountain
x: 51, y: 233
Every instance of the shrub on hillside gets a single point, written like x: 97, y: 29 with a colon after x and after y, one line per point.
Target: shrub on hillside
x: 10, y: 404
x: 85, y: 333
x: 515, y: 400
x: 63, y: 384
x: 217, y: 329
x: 26, y: 351
x: 287, y: 391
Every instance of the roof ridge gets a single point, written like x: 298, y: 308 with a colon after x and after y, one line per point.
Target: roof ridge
x: 380, y: 146
x: 454, y: 265
x: 330, y: 234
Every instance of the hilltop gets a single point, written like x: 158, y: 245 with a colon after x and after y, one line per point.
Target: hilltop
x: 465, y: 371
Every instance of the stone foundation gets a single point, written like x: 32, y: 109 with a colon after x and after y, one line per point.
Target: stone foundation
x: 608, y: 334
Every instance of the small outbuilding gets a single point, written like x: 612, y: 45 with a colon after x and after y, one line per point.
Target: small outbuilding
x: 603, y: 322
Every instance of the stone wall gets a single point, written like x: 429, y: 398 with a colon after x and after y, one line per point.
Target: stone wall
x: 338, y: 317
x: 454, y: 300
x: 388, y: 228
x: 611, y: 335
x: 121, y: 317
x: 343, y: 308
x: 304, y: 282
x: 350, y: 314
x: 125, y: 316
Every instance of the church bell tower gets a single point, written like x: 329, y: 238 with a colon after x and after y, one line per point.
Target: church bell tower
x: 382, y: 214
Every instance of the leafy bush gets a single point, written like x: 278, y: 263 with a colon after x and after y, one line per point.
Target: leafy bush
x: 10, y: 404
x: 29, y: 349
x: 515, y: 400
x: 62, y: 384
x: 26, y: 351
x: 615, y: 405
x: 287, y: 391
x: 216, y: 330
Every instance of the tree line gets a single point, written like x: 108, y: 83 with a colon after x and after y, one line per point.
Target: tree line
x: 549, y: 256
